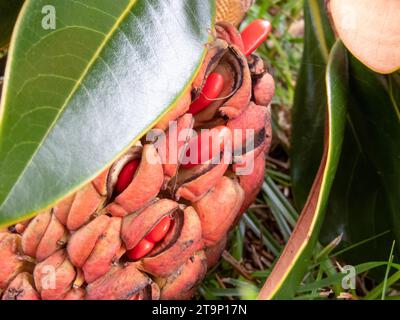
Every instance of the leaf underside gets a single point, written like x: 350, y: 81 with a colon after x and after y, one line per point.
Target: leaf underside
x: 370, y: 31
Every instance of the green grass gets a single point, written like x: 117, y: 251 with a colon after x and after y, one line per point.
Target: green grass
x: 256, y: 243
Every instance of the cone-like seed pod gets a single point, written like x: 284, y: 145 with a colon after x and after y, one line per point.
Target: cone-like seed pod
x: 104, y: 252
x: 53, y: 239
x: 62, y: 209
x: 11, y: 262
x: 215, y: 52
x: 34, y: 233
x: 264, y: 90
x: 82, y: 242
x: 218, y: 209
x: 120, y: 283
x: 230, y: 34
x: 172, y: 148
x: 263, y: 83
x: 182, y: 283
x: 248, y: 147
x: 228, y: 61
x: 184, y: 240
x: 150, y: 225
x: 150, y: 169
x: 214, y: 252
x: 252, y: 183
x: 194, y: 183
x: 54, y: 276
x: 21, y: 288
x: 86, y: 203
x: 137, y: 225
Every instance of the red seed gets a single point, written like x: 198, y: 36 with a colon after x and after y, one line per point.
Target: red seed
x: 206, y: 145
x: 255, y: 34
x: 160, y: 230
x: 211, y: 90
x: 126, y: 175
x: 140, y: 250
x: 147, y: 244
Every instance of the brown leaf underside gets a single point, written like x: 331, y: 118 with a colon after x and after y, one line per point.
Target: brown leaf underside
x: 370, y: 30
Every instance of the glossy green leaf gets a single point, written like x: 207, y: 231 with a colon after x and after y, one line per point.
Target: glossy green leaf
x: 310, y: 103
x: 365, y: 198
x: 8, y: 14
x: 75, y: 97
x: 292, y: 264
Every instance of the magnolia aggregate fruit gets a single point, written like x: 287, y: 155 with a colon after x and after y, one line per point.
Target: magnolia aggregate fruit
x: 152, y: 224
